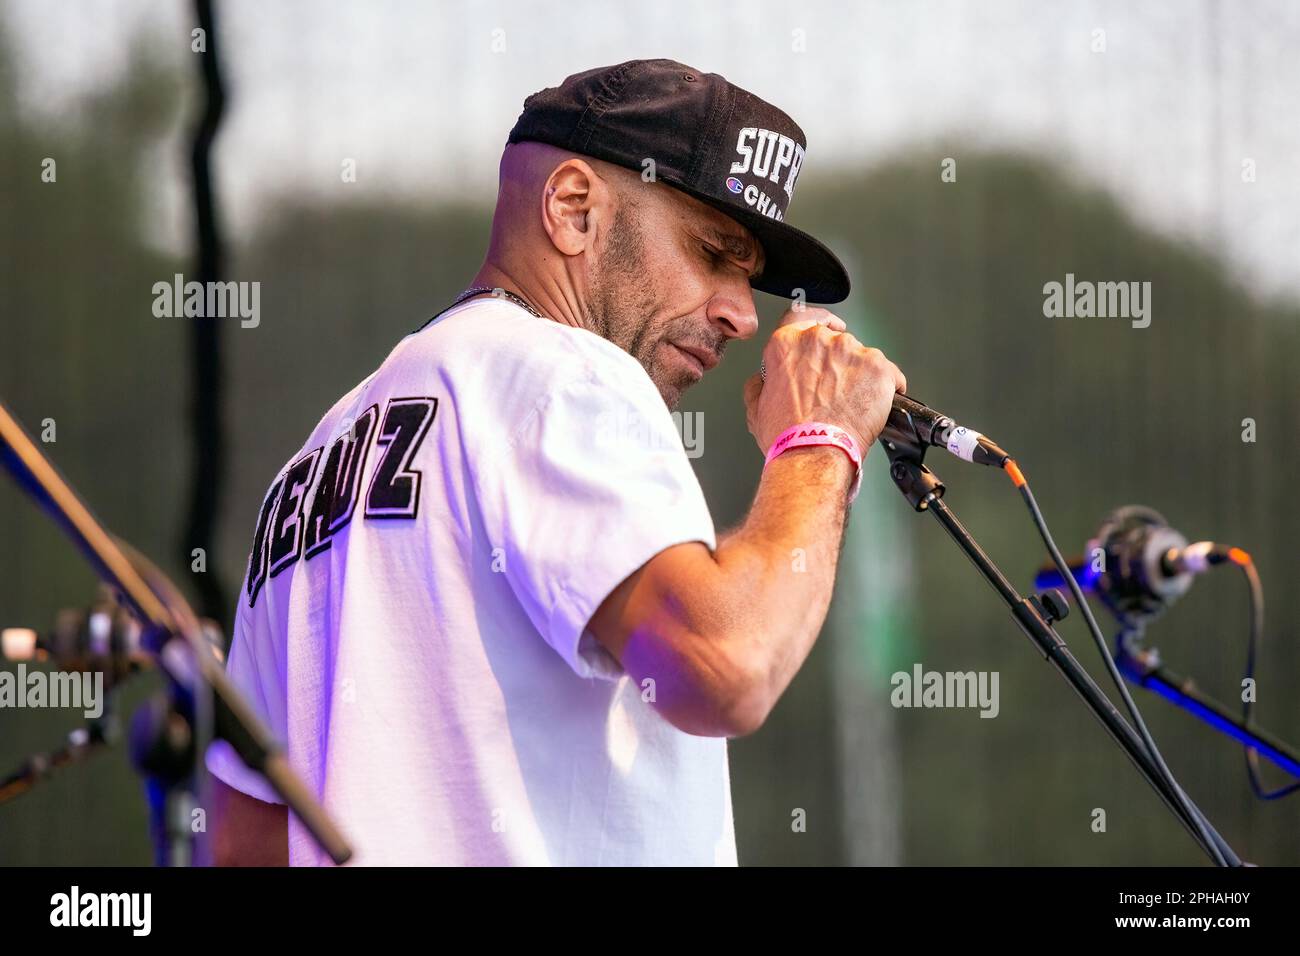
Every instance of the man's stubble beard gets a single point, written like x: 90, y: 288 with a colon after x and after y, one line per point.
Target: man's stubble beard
x: 625, y: 301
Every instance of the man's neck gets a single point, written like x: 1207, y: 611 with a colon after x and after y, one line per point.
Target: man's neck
x: 546, y: 296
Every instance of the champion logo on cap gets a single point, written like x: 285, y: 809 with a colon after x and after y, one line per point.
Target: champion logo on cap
x: 734, y: 184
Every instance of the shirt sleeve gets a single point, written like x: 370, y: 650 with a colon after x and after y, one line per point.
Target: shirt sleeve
x: 594, y: 483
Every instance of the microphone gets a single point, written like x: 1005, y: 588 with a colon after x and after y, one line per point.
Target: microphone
x: 92, y: 638
x: 912, y: 424
x: 1137, y: 564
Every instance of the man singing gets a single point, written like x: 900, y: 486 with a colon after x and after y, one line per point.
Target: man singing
x: 486, y: 608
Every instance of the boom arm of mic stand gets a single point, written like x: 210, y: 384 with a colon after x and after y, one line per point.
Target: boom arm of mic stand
x: 1145, y: 669
x: 234, y: 719
x: 924, y: 491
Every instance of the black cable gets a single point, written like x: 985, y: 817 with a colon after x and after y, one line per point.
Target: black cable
x: 1248, y: 705
x: 1214, y: 845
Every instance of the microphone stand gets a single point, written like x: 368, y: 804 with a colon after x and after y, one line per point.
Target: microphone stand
x: 201, y: 694
x: 924, y: 492
x: 80, y: 745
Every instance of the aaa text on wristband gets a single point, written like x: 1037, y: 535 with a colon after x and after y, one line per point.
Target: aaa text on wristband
x: 819, y: 433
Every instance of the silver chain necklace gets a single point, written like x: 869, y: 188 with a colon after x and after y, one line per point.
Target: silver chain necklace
x: 500, y: 293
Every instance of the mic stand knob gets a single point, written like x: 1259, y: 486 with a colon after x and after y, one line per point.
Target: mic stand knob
x: 1055, y: 607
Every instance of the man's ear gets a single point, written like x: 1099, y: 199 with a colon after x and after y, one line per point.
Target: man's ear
x: 572, y: 200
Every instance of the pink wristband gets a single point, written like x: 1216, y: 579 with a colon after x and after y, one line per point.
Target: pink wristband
x: 819, y: 433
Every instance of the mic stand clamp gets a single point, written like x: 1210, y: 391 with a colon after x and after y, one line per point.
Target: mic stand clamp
x: 919, y: 485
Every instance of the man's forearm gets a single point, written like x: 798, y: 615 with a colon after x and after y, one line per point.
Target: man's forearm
x: 780, y: 564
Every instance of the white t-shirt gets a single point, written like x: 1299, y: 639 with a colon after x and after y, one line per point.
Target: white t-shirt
x: 412, y: 623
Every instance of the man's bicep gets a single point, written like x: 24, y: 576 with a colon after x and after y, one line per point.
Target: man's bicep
x: 666, y: 624
x: 649, y: 600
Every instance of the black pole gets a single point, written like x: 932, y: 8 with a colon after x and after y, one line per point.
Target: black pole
x: 208, y: 432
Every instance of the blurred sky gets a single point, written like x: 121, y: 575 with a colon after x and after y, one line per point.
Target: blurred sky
x: 416, y: 93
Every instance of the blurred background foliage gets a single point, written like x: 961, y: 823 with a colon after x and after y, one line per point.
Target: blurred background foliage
x: 948, y: 280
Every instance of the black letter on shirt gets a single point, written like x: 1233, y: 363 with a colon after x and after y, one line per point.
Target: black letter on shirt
x: 286, y: 541
x: 340, y: 481
x: 257, y: 557
x: 395, y: 487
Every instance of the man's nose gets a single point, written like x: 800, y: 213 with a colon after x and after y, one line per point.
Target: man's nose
x: 732, y: 310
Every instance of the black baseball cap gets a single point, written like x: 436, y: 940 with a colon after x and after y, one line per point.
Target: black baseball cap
x: 709, y: 139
